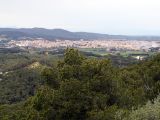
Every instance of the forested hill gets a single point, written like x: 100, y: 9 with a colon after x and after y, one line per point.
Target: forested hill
x: 79, y: 88
x: 53, y: 34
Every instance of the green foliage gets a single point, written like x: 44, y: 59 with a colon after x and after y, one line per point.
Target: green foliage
x: 72, y: 57
x: 18, y: 79
x: 106, y: 114
x: 131, y: 92
x: 79, y: 88
x: 11, y: 112
x: 50, y: 75
x: 18, y: 85
x: 151, y: 111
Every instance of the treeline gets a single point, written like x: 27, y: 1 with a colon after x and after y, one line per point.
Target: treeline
x: 79, y: 88
x: 16, y: 61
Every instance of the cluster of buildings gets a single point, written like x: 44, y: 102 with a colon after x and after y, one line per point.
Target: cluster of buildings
x: 108, y: 44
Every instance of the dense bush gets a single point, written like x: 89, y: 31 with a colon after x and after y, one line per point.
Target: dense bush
x: 151, y: 111
x: 79, y: 88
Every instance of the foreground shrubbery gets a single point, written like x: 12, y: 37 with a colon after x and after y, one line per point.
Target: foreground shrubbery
x: 81, y: 88
x: 151, y: 111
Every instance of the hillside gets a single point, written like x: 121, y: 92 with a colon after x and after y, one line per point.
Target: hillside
x: 53, y: 34
x: 81, y: 88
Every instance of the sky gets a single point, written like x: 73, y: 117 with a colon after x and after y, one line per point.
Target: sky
x: 127, y: 17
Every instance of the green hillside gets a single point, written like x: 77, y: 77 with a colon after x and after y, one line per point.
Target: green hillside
x: 81, y: 88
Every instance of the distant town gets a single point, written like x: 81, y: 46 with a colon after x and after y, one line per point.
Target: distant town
x: 109, y: 45
x: 55, y: 41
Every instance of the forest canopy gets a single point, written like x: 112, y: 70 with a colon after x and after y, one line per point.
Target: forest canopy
x: 80, y: 88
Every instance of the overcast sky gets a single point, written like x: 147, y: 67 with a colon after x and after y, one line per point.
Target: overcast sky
x: 130, y: 17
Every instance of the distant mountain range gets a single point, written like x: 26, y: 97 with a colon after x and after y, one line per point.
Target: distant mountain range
x: 53, y: 34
